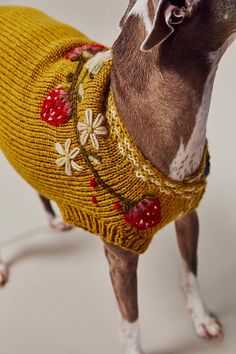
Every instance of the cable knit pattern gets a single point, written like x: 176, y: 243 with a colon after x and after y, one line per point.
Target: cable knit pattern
x: 88, y: 163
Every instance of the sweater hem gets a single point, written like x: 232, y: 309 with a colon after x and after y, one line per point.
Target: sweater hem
x: 136, y: 242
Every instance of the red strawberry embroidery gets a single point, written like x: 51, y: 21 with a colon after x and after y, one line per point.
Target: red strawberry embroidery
x: 145, y: 215
x: 92, y: 48
x: 56, y: 108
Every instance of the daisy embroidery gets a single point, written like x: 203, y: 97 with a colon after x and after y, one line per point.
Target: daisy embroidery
x: 95, y: 64
x: 68, y: 157
x: 90, y: 129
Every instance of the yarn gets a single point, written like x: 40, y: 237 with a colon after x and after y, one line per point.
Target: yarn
x: 56, y: 107
x: 87, y: 163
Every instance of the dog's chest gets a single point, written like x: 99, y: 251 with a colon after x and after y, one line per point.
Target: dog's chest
x: 189, y: 156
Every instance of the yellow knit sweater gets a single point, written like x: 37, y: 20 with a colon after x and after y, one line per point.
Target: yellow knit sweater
x: 60, y: 129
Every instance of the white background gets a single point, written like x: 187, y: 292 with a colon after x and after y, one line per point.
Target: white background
x: 59, y: 299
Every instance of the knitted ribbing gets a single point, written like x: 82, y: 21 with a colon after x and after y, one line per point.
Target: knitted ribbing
x: 32, y: 64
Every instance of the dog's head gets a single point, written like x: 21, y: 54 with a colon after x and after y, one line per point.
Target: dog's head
x: 211, y: 22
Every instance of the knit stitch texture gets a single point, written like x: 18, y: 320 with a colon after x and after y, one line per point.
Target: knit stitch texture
x: 55, y: 160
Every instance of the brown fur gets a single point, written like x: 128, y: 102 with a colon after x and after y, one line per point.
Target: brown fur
x: 123, y: 271
x: 165, y: 85
x: 163, y: 100
x: 165, y: 88
x: 187, y: 230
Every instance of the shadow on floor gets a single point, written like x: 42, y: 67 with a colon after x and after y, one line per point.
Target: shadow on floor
x: 53, y: 247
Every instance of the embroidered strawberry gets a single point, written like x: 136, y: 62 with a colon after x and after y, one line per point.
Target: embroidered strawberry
x: 56, y: 108
x: 91, y: 48
x: 145, y: 215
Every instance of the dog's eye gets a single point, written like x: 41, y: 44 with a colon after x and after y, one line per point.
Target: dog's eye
x: 178, y: 3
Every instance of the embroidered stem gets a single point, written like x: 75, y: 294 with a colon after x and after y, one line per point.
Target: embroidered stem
x: 75, y: 97
x: 76, y: 75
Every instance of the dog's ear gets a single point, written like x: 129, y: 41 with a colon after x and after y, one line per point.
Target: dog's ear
x: 169, y: 14
x: 125, y: 16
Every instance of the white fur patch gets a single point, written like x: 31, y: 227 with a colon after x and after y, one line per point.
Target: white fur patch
x: 191, y: 288
x: 141, y: 9
x: 188, y: 158
x: 206, y: 325
x: 129, y: 336
x: 226, y: 16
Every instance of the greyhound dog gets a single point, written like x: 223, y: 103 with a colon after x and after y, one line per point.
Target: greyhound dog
x: 164, y: 64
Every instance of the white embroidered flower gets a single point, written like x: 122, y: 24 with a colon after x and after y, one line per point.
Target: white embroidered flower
x: 95, y: 64
x: 89, y: 129
x: 68, y: 157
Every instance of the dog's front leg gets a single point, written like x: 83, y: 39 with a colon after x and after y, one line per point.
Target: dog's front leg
x: 123, y: 272
x: 206, y: 325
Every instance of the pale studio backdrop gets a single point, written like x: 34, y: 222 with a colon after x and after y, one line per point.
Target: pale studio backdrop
x: 59, y: 299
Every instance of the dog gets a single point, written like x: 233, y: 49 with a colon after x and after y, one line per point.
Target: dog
x: 163, y: 68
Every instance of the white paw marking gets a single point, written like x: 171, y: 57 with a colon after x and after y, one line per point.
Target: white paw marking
x: 206, y: 325
x: 3, y: 274
x: 129, y: 336
x: 59, y: 225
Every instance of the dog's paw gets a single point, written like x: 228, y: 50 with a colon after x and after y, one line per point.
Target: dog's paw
x: 59, y: 225
x: 208, y: 327
x: 3, y: 275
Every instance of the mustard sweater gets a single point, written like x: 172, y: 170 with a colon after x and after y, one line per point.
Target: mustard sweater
x: 60, y: 129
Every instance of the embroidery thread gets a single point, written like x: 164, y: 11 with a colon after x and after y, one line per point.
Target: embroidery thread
x: 68, y: 157
x: 89, y: 129
x: 142, y: 214
x: 56, y: 108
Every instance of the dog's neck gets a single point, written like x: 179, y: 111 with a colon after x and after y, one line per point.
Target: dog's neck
x: 163, y: 97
